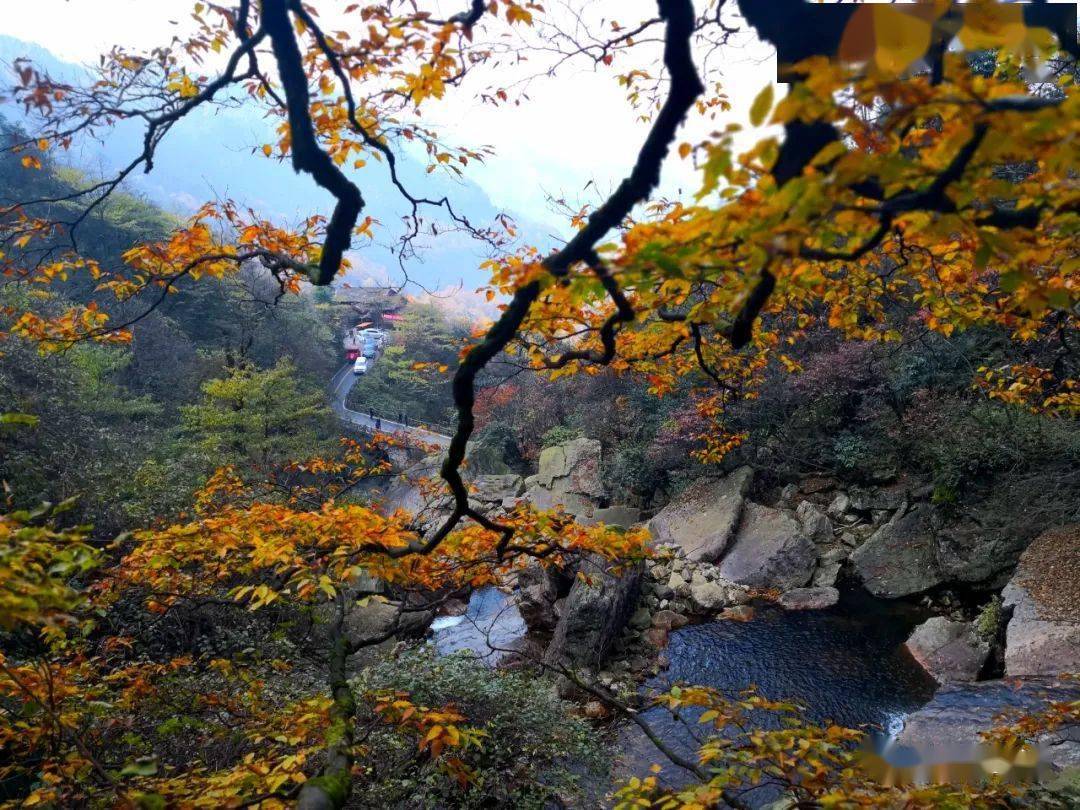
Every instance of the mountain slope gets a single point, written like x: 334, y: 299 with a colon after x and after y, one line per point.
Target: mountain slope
x: 216, y: 153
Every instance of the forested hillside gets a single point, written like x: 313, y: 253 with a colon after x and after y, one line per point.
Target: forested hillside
x: 186, y: 173
x: 130, y: 431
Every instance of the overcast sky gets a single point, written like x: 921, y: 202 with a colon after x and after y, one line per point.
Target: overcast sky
x: 577, y: 126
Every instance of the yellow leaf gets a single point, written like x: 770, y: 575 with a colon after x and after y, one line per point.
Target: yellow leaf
x: 761, y: 106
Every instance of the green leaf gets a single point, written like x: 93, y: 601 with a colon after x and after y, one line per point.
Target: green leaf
x: 140, y: 767
x: 1010, y: 281
x: 27, y: 419
x: 761, y: 106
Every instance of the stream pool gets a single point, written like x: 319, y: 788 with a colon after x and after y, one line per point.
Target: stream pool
x: 846, y: 664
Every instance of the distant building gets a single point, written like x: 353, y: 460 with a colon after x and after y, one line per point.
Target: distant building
x: 365, y: 310
x: 375, y: 306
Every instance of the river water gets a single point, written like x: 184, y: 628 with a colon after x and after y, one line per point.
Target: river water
x: 489, y: 627
x: 846, y: 664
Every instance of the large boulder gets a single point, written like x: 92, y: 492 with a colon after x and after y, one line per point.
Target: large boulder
x: 876, y: 500
x: 770, y: 550
x: 1043, y: 635
x: 899, y: 558
x: 622, y: 517
x: 568, y: 476
x: 984, y: 552
x: 703, y: 518
x: 598, y: 607
x: 538, y: 589
x: 947, y: 728
x: 828, y: 568
x: 979, y: 553
x: 375, y: 621
x: 949, y: 650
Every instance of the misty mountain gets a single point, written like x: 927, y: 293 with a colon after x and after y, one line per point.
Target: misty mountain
x: 187, y: 172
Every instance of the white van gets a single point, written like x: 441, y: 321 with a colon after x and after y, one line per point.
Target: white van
x: 360, y: 366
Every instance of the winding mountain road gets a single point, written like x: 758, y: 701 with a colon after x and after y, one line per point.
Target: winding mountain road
x: 340, y: 385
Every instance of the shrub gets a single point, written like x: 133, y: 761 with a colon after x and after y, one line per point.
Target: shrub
x: 533, y: 751
x: 558, y: 435
x: 989, y: 619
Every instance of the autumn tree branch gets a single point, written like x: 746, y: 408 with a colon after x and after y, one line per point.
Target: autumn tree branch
x: 307, y: 155
x: 685, y: 87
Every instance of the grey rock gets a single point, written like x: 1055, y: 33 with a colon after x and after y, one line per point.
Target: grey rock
x: 788, y: 495
x: 538, y: 590
x: 869, y: 500
x: 573, y: 466
x: 949, y: 650
x: 669, y: 620
x: 569, y: 475
x: 809, y: 598
x: 702, y: 519
x: 375, y: 618
x: 947, y: 728
x: 826, y: 574
x: 815, y: 523
x: 840, y: 506
x: 660, y: 571
x: 863, y: 530
x: 663, y: 591
x: 622, y: 517
x: 836, y: 554
x: 899, y: 558
x: 982, y: 554
x: 816, y: 484
x: 1043, y: 637
x: 679, y: 586
x: 497, y: 488
x: 713, y: 594
x: 641, y: 619
x: 1034, y: 646
x: 770, y: 551
x: 597, y: 609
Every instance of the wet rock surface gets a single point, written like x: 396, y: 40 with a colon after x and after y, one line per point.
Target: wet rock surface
x: 948, y: 726
x: 809, y: 598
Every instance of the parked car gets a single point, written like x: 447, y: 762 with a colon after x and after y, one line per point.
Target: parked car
x: 371, y: 348
x: 360, y: 366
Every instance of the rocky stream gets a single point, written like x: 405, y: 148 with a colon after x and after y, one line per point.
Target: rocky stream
x: 860, y: 604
